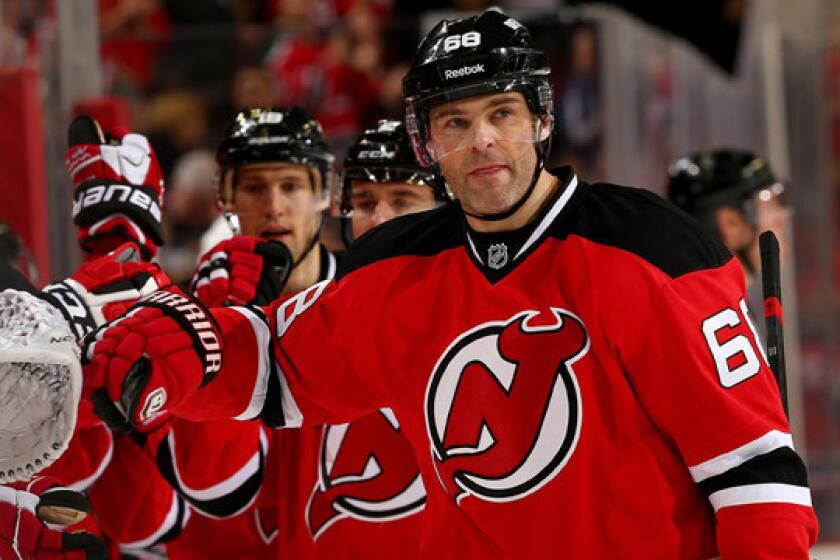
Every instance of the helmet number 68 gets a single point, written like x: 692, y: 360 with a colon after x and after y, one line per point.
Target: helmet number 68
x: 455, y: 42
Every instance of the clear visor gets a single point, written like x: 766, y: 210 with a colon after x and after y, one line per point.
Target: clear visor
x: 461, y: 119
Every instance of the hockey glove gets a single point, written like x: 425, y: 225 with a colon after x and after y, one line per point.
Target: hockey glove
x: 104, y: 288
x: 242, y: 270
x: 25, y: 509
x: 146, y: 362
x: 118, y: 186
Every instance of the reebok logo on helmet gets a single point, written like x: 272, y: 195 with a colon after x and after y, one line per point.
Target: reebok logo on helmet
x: 464, y: 71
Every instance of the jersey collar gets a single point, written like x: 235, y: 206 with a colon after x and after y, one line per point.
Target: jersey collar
x: 497, y: 254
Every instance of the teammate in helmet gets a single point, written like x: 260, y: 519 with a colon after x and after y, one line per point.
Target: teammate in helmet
x: 381, y: 179
x: 734, y: 194
x: 275, y: 176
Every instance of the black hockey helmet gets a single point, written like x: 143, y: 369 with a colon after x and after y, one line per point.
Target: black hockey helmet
x: 273, y: 134
x: 384, y: 154
x: 472, y: 56
x: 702, y: 182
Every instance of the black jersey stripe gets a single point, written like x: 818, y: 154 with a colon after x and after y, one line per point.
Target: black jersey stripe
x: 780, y: 466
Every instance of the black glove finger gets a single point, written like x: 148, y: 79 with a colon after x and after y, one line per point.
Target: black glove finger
x: 94, y: 547
x: 105, y: 409
x: 274, y: 253
x: 64, y: 498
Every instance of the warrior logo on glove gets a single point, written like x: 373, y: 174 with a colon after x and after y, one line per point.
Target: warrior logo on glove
x: 503, y: 412
x: 199, y: 324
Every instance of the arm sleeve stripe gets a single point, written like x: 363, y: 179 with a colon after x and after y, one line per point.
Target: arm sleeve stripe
x: 761, y: 494
x: 172, y: 523
x: 292, y: 416
x: 84, y: 484
x: 781, y: 466
x: 770, y: 441
x: 263, y: 335
x: 225, y: 499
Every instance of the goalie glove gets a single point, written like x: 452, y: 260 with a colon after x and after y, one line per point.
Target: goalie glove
x: 146, y: 362
x: 104, y: 288
x: 118, y: 189
x: 40, y: 385
x: 31, y: 521
x: 242, y: 270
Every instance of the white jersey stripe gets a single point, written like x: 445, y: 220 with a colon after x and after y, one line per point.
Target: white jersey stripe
x: 292, y: 416
x: 550, y: 217
x: 761, y: 494
x: 167, y: 525
x: 770, y: 441
x: 225, y: 487
x: 263, y: 336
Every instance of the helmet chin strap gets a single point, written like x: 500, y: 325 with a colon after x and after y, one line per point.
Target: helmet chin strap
x: 309, y: 247
x: 499, y: 216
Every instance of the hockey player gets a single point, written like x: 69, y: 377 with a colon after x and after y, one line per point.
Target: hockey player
x: 572, y: 362
x: 381, y: 179
x: 275, y: 177
x: 736, y: 196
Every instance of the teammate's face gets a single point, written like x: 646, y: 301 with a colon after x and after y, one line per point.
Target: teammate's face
x: 375, y: 203
x: 485, y: 148
x: 734, y: 229
x: 277, y: 201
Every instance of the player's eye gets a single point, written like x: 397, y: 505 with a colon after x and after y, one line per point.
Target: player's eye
x: 455, y: 123
x: 402, y: 204
x: 252, y: 188
x: 503, y: 113
x: 290, y: 186
x: 365, y: 206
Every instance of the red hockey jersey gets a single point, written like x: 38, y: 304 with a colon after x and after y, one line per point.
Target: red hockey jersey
x: 319, y: 492
x: 589, y: 386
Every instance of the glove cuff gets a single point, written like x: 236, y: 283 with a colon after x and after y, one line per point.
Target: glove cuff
x: 98, y: 198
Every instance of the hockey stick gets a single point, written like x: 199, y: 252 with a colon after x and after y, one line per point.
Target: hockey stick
x: 773, y: 317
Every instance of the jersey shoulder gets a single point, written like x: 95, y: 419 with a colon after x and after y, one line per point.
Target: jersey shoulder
x: 423, y: 234
x: 640, y: 222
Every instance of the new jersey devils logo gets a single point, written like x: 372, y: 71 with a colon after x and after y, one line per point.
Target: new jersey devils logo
x: 368, y: 472
x: 503, y: 407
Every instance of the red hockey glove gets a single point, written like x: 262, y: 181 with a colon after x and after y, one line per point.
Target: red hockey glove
x: 242, y: 270
x: 104, y: 288
x: 24, y: 510
x: 118, y: 189
x: 146, y: 362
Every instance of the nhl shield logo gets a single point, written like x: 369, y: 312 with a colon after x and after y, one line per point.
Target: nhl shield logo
x: 497, y: 256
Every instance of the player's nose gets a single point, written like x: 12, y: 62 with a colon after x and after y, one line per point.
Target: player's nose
x: 382, y: 213
x: 484, y: 135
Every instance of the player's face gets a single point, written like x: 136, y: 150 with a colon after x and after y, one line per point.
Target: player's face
x: 375, y: 203
x: 485, y: 148
x: 278, y: 201
x: 734, y: 229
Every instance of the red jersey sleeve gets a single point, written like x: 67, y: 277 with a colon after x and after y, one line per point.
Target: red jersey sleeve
x: 700, y: 372
x: 217, y: 466
x: 288, y: 363
x: 134, y: 505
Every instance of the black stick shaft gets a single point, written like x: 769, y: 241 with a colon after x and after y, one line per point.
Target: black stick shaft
x: 771, y: 280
